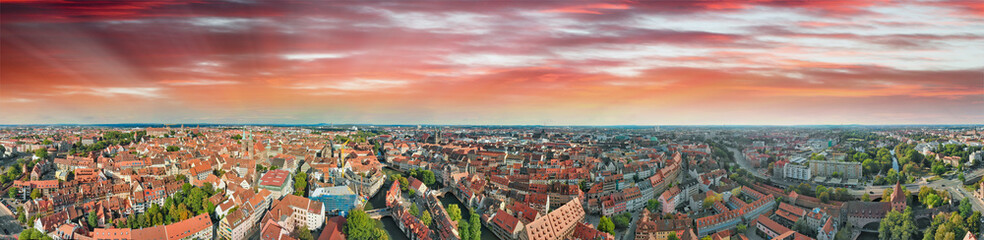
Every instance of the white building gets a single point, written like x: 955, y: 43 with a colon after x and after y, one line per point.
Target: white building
x: 795, y: 171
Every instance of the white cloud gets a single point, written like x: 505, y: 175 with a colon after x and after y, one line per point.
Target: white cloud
x: 17, y: 100
x: 144, y: 92
x: 314, y: 56
x: 358, y: 84
x: 494, y: 60
x: 198, y: 82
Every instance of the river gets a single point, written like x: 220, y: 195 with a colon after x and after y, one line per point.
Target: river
x: 465, y: 214
x: 389, y: 224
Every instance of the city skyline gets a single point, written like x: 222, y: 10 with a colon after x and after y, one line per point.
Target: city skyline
x: 497, y: 63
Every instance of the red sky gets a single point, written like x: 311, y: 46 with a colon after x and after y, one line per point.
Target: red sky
x: 499, y: 62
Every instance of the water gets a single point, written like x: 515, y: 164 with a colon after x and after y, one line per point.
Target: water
x: 389, y: 224
x: 465, y: 214
x: 393, y: 230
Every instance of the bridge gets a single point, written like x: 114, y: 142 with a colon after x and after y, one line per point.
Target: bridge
x: 379, y: 213
x: 440, y: 192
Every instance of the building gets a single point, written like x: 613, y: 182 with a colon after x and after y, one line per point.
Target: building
x: 337, y: 199
x: 788, y: 214
x: 772, y: 229
x: 294, y: 211
x: 556, y: 225
x: 505, y: 226
x: 848, y: 170
x: 197, y: 227
x: 796, y: 171
x: 670, y: 199
x: 278, y: 182
x: 657, y: 228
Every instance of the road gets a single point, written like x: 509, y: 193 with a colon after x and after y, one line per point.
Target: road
x: 954, y: 186
x: 8, y: 223
x: 743, y: 163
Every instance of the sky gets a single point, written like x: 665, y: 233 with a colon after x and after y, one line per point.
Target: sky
x: 757, y: 62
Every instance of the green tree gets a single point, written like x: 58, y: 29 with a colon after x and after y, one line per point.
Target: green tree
x: 653, y: 205
x: 476, y: 226
x: 454, y: 212
x: 933, y: 200
x: 35, y: 194
x: 302, y: 233
x: 965, y: 208
x: 428, y: 177
x: 91, y: 219
x: 974, y: 222
x: 414, y: 210
x: 173, y: 148
x: 897, y: 225
x: 426, y: 218
x: 358, y: 226
x: 41, y: 153
x: 300, y: 184
x: 865, y: 198
x: 672, y: 236
x: 622, y: 220
x: 606, y: 225
x: 464, y: 230
x: 12, y: 192
x: 824, y: 197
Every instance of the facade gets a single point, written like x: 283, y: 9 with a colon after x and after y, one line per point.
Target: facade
x: 294, y: 211
x: 506, y: 226
x: 337, y: 199
x: 279, y: 182
x: 849, y: 170
x: 798, y: 172
x: 556, y: 225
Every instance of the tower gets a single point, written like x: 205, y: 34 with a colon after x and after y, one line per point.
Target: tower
x: 898, y: 198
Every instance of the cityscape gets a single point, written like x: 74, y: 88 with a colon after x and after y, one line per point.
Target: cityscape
x: 491, y: 120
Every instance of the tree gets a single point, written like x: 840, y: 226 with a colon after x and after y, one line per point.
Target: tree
x: 965, y: 208
x: 414, y: 210
x: 653, y: 205
x: 91, y: 219
x: 672, y: 236
x: 412, y: 192
x: 173, y: 148
x: 476, y: 226
x: 428, y: 177
x: 454, y: 212
x: 41, y: 153
x: 464, y: 230
x: 606, y: 225
x: 742, y: 227
x: 897, y: 225
x: 426, y: 218
x: 622, y: 220
x: 358, y: 226
x: 865, y: 198
x: 12, y: 192
x: 302, y: 233
x: 300, y: 184
x: 975, y: 222
x: 824, y: 197
x: 404, y: 184
x: 35, y: 194
x: 933, y: 200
